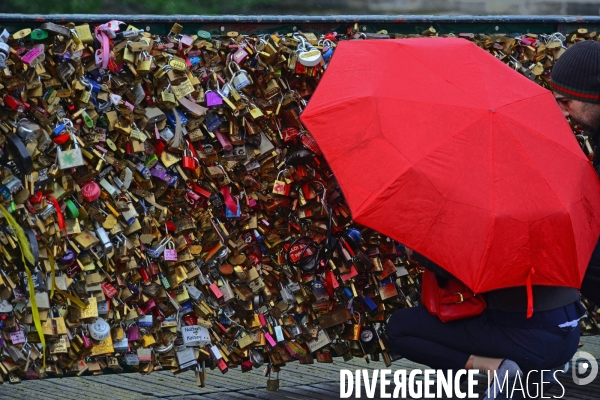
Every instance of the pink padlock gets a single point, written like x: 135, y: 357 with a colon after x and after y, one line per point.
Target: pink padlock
x: 186, y: 41
x: 170, y: 254
x: 240, y: 55
x: 224, y: 140
x: 270, y: 339
x: 87, y: 343
x: 33, y: 57
x: 216, y: 291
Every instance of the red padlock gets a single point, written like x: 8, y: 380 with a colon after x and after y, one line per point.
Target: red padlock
x: 146, y: 307
x: 194, y: 199
x: 190, y: 319
x: 62, y: 139
x: 246, y: 366
x: 15, y: 104
x: 37, y: 197
x: 144, y: 275
x: 222, y: 366
x: 189, y: 163
x: 159, y: 145
x: 289, y: 134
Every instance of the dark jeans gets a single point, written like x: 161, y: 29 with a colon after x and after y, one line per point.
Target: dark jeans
x: 421, y: 337
x: 590, y: 288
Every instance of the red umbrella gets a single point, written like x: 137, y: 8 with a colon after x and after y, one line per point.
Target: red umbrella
x: 440, y: 146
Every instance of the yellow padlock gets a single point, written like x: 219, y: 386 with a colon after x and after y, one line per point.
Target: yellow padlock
x: 21, y: 34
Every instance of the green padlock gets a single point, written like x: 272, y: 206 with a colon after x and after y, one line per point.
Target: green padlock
x: 39, y: 34
x: 89, y: 122
x: 71, y: 209
x: 203, y: 35
x: 151, y: 161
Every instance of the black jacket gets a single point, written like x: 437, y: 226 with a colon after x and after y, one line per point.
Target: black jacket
x: 590, y: 288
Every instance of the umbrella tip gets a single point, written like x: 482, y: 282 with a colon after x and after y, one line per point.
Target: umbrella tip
x: 492, y: 110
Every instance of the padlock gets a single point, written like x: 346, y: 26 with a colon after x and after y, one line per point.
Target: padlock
x: 239, y: 78
x: 273, y: 384
x: 213, y: 100
x: 189, y: 162
x: 170, y: 253
x: 69, y: 158
x: 281, y: 187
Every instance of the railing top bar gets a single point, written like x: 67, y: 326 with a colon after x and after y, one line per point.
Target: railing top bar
x: 299, y: 19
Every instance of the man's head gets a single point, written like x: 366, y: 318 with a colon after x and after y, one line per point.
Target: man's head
x: 575, y: 81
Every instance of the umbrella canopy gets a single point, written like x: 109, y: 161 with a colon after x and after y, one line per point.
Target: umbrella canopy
x: 442, y: 147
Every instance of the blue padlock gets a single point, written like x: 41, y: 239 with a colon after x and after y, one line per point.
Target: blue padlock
x: 224, y: 319
x: 171, y: 118
x: 95, y: 86
x: 58, y: 130
x: 174, y: 180
x: 212, y: 121
x: 370, y: 305
x: 5, y: 192
x: 186, y: 307
x: 348, y: 293
x: 353, y: 237
x: 229, y: 214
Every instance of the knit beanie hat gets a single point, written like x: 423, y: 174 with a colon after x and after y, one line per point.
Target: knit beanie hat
x: 576, y: 74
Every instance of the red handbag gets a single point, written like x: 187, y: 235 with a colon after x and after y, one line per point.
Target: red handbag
x: 453, y: 302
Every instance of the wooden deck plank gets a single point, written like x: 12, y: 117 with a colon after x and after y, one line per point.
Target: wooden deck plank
x: 306, y: 381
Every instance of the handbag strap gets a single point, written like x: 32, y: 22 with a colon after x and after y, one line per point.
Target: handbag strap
x: 457, y: 298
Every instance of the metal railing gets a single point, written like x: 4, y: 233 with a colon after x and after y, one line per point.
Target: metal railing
x: 406, y: 24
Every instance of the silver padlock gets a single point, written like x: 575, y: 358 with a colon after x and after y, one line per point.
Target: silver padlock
x: 132, y: 359
x: 185, y: 357
x: 107, y: 245
x: 286, y: 294
x: 294, y: 330
x: 167, y: 134
x: 239, y: 79
x: 193, y: 291
x: 17, y: 355
x: 27, y: 130
x: 228, y: 294
x: 121, y: 346
x: 159, y: 248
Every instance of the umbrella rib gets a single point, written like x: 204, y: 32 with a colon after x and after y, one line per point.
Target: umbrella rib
x: 475, y: 48
x: 533, y: 164
x: 521, y: 100
x: 451, y: 137
x: 493, y: 223
x: 579, y: 156
x: 376, y: 195
x: 340, y: 102
x: 409, y: 50
x: 431, y: 103
x: 361, y: 142
x: 550, y: 187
